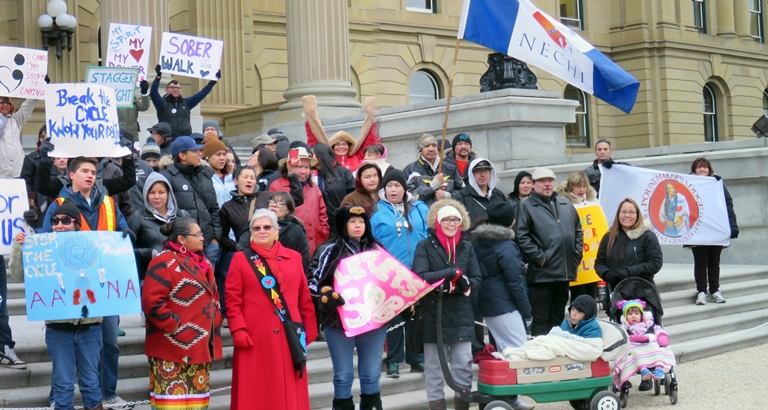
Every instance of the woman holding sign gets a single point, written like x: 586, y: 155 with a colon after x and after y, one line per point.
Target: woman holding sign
x: 11, y: 123
x: 266, y: 295
x: 355, y: 236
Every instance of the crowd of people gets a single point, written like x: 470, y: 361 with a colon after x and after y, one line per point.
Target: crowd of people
x: 265, y: 235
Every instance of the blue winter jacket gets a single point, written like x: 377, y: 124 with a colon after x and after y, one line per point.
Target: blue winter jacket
x: 383, y: 224
x: 585, y: 328
x: 90, y: 212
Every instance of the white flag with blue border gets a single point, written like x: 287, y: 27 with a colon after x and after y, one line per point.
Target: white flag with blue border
x: 519, y: 29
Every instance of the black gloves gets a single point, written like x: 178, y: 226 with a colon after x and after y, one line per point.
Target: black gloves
x: 218, y: 75
x: 329, y: 300
x: 608, y: 163
x: 128, y: 232
x: 159, y: 70
x: 462, y: 284
x: 734, y: 233
x: 126, y: 139
x: 144, y: 86
x: 296, y: 189
x: 45, y: 147
x: 47, y: 79
x: 30, y: 217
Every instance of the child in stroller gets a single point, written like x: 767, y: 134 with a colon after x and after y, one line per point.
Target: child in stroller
x: 648, y: 345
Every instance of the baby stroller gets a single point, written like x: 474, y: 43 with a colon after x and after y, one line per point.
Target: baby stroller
x: 639, y: 288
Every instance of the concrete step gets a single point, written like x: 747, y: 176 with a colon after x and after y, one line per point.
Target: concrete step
x: 721, y: 343
x: 699, y: 329
x: 15, y: 290
x: 729, y: 290
x: 692, y: 313
x: 674, y: 277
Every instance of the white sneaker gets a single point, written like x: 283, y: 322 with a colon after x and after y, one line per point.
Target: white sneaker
x: 518, y: 404
x: 116, y: 403
x: 701, y: 298
x: 717, y: 297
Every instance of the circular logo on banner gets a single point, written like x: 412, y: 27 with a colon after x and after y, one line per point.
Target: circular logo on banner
x: 184, y: 187
x: 268, y: 282
x: 674, y: 207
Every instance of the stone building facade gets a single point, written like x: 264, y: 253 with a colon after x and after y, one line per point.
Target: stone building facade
x: 702, y: 64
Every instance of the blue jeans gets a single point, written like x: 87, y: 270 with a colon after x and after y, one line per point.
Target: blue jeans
x: 70, y: 351
x: 342, y: 348
x: 211, y: 252
x: 6, y: 338
x: 225, y: 259
x: 110, y: 354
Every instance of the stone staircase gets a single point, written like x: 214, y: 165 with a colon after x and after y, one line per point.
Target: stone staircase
x: 695, y: 332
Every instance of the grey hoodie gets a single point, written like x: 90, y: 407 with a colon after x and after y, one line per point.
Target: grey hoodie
x: 151, y: 180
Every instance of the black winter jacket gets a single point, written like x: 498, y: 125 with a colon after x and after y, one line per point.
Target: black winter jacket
x: 235, y: 216
x: 334, y: 192
x: 450, y: 159
x: 549, y: 235
x: 195, y: 194
x: 51, y: 185
x: 137, y: 191
x: 642, y: 257
x: 477, y: 204
x: 503, y: 287
x: 419, y: 175
x: 731, y: 214
x: 430, y: 263
x: 176, y: 111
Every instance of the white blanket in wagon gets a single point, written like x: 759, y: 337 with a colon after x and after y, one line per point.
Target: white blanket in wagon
x: 557, y: 343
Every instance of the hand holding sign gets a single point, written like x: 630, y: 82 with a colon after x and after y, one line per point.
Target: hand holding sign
x: 191, y: 56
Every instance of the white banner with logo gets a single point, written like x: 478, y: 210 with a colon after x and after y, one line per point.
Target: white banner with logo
x: 683, y: 209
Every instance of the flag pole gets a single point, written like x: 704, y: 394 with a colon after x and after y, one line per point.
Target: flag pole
x: 448, y: 105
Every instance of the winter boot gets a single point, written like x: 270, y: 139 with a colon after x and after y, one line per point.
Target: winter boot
x: 343, y: 404
x: 437, y: 405
x: 460, y: 404
x: 98, y: 407
x: 370, y: 401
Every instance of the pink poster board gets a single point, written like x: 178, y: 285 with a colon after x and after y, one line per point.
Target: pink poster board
x: 376, y: 287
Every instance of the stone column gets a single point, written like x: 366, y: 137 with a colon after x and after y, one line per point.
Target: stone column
x: 742, y: 19
x: 725, y: 22
x: 318, y: 59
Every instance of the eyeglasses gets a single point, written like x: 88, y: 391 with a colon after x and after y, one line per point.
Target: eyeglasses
x: 265, y: 228
x: 196, y: 235
x: 279, y: 204
x: 628, y: 213
x: 451, y: 221
x: 65, y: 220
x: 5, y: 103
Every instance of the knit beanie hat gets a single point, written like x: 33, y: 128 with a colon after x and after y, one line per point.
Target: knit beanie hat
x: 214, y: 124
x: 70, y: 209
x: 448, y: 211
x: 585, y: 304
x: 394, y: 175
x: 501, y: 213
x: 150, y: 150
x: 426, y: 140
x: 460, y: 137
x: 212, y: 146
x: 625, y: 305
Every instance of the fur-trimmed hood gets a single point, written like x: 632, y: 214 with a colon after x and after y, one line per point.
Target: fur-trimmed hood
x: 633, y: 234
x: 342, y: 136
x: 432, y: 216
x: 561, y: 190
x: 494, y: 233
x: 164, y: 162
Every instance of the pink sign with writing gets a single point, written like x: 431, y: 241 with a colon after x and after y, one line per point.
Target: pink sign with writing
x: 376, y: 287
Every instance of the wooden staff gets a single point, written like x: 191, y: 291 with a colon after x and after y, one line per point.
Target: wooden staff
x: 448, y: 105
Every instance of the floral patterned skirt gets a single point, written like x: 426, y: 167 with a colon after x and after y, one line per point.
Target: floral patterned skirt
x: 176, y: 386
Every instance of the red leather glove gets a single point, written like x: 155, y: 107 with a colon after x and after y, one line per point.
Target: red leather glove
x: 639, y: 338
x: 241, y: 339
x: 663, y: 340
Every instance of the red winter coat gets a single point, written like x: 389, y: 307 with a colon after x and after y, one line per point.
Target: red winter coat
x: 350, y: 162
x: 178, y: 294
x: 263, y: 375
x: 312, y: 212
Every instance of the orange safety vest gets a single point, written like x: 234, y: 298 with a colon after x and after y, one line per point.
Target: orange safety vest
x: 107, y: 215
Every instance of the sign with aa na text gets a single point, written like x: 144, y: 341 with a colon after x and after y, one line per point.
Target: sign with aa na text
x: 190, y: 56
x: 82, y: 121
x: 376, y: 287
x: 13, y: 204
x: 71, y: 275
x: 121, y: 79
x: 22, y: 72
x: 594, y: 225
x: 129, y: 46
x: 683, y: 209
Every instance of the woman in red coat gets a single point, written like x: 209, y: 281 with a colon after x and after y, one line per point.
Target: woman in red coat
x: 261, y: 345
x: 181, y: 303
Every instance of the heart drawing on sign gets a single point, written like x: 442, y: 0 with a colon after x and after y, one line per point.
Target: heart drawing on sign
x: 204, y: 73
x: 136, y: 54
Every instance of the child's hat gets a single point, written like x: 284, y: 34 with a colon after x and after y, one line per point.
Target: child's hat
x: 625, y: 305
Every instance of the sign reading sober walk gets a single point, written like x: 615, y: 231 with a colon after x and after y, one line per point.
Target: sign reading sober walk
x: 121, y: 79
x: 683, y: 209
x: 82, y: 121
x: 22, y: 72
x: 376, y: 287
x: 69, y: 275
x: 190, y: 56
x: 13, y: 203
x: 129, y: 46
x: 594, y: 225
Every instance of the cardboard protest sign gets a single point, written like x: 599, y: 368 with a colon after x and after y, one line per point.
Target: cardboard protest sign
x: 69, y: 275
x: 376, y: 287
x: 129, y: 46
x: 121, y: 79
x: 82, y: 121
x: 13, y: 204
x: 22, y: 72
x: 594, y: 225
x: 190, y: 56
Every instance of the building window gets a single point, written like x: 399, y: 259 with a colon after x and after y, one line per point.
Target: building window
x: 424, y: 6
x: 756, y: 20
x: 577, y: 134
x: 424, y: 87
x: 710, y: 114
x: 700, y: 16
x: 765, y: 103
x: 570, y: 14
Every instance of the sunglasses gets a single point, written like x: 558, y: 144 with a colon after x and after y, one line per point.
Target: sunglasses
x: 65, y: 220
x: 266, y: 228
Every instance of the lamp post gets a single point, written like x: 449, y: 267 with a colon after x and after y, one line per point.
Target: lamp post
x: 57, y: 27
